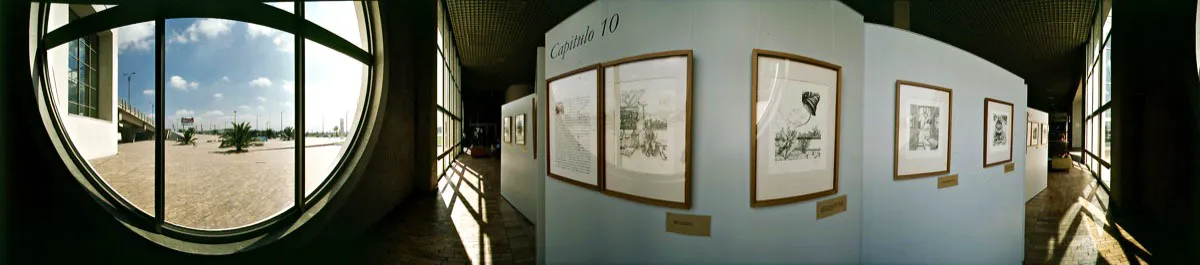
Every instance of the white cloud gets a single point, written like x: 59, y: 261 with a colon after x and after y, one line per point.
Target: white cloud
x: 255, y: 30
x: 148, y: 92
x: 214, y: 113
x: 207, y: 28
x: 244, y: 107
x: 262, y: 99
x: 287, y: 85
x: 261, y: 108
x: 285, y: 103
x: 182, y: 84
x: 137, y: 36
x: 183, y: 112
x: 225, y: 78
x: 261, y: 81
x: 218, y: 96
x: 283, y: 44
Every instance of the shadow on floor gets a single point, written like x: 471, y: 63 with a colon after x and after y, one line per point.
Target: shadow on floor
x: 467, y: 223
x: 1067, y: 223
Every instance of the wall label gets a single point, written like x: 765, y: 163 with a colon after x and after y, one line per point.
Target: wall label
x: 608, y: 26
x: 831, y: 207
x: 687, y: 224
x: 947, y: 181
x: 1009, y: 167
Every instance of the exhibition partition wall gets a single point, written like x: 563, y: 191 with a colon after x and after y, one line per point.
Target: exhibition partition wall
x: 839, y: 126
x: 518, y: 163
x: 979, y: 221
x: 1037, y: 153
x: 586, y: 226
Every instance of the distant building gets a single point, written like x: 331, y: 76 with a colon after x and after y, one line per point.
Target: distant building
x: 84, y: 74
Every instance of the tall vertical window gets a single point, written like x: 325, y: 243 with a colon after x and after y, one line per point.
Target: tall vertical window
x: 83, y: 78
x: 1096, y: 104
x: 447, y: 87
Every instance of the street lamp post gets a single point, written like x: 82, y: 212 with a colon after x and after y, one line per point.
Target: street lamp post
x: 128, y: 84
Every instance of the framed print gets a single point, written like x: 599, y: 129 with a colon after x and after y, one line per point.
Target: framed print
x: 997, y: 132
x: 924, y: 124
x: 572, y: 127
x: 795, y: 114
x: 519, y: 129
x: 534, y: 127
x: 506, y: 129
x: 1044, y: 134
x: 647, y: 128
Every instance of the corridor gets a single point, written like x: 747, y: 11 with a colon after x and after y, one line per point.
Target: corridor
x: 466, y: 223
x: 1067, y: 224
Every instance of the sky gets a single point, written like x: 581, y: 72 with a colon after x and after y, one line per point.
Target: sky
x: 216, y: 69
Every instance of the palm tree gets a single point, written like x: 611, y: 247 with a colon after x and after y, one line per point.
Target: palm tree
x: 286, y: 133
x: 238, y: 137
x: 189, y: 137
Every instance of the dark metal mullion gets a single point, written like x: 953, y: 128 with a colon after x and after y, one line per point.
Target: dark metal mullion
x: 298, y: 51
x: 160, y: 72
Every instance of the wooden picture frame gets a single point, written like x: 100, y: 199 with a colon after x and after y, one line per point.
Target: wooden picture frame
x: 654, y: 78
x: 949, y: 128
x: 813, y: 65
x: 552, y: 110
x: 990, y: 140
x: 533, y: 116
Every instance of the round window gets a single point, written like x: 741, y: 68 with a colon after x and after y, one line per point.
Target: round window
x: 208, y: 123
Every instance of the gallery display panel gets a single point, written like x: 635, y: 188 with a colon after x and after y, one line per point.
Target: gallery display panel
x: 573, y: 124
x: 647, y: 128
x: 997, y: 132
x: 924, y: 127
x: 796, y: 111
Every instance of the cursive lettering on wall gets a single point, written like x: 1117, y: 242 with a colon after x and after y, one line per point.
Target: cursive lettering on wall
x: 608, y: 26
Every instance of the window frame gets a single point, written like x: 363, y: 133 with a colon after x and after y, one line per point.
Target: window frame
x: 235, y: 239
x: 83, y: 89
x: 1094, y: 104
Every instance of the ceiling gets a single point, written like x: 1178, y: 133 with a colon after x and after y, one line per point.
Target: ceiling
x: 1041, y: 41
x: 497, y: 40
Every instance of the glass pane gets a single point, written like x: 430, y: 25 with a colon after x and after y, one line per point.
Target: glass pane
x: 124, y: 165
x: 1106, y: 148
x: 1107, y: 72
x: 340, y: 17
x: 286, y: 6
x: 1106, y: 175
x: 441, y: 80
x: 334, y: 88
x: 236, y: 172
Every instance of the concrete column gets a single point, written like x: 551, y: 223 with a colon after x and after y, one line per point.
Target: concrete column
x: 900, y: 14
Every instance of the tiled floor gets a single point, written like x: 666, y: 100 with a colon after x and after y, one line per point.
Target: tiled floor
x: 1067, y: 224
x: 467, y: 223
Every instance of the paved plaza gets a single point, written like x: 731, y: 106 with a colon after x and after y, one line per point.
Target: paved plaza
x: 210, y: 188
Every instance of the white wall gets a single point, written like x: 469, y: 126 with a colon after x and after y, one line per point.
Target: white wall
x: 584, y: 226
x: 1037, y: 158
x: 980, y: 221
x: 518, y: 168
x: 93, y: 137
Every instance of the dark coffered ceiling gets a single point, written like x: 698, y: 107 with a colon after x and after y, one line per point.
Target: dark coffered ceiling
x: 497, y: 40
x: 1042, y: 41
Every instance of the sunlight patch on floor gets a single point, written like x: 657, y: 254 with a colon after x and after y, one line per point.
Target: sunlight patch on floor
x: 467, y: 212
